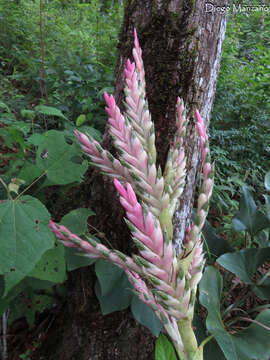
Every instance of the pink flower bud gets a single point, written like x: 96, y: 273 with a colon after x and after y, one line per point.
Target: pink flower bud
x: 120, y: 188
x: 202, y: 200
x: 206, y: 170
x: 131, y: 195
x: 209, y: 183
x: 136, y: 41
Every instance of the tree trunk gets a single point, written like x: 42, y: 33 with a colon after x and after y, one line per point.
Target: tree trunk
x: 181, y: 45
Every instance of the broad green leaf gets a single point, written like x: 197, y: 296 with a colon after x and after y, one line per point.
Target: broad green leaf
x: 248, y: 217
x: 4, y: 106
x: 22, y: 127
x: 25, y: 236
x: 164, y: 350
x: 51, y: 267
x: 28, y: 304
x: 76, y: 260
x: 29, y: 172
x: 109, y: 276
x: 244, y: 263
x: 36, y: 139
x: 210, y: 294
x: 55, y: 157
x: 249, y: 344
x: 119, y: 298
x: 26, y: 284
x: 253, y: 342
x: 267, y: 181
x: 28, y: 114
x: 50, y: 111
x: 263, y: 290
x: 80, y: 120
x: 215, y: 244
x: 76, y: 220
x: 211, y: 350
x: 145, y: 316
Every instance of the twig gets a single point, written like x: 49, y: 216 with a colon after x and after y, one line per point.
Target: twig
x: 4, y: 336
x: 29, y: 186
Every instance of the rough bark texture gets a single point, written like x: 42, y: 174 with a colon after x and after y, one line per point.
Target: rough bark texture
x: 181, y: 46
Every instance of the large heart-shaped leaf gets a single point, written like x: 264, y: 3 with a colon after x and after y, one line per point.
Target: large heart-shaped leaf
x: 109, y: 276
x: 51, y: 267
x: 263, y: 290
x: 164, y: 349
x: 56, y: 157
x: 249, y: 344
x: 248, y: 217
x: 76, y: 220
x: 145, y: 316
x: 211, y: 350
x: 28, y: 304
x: 244, y: 263
x: 215, y: 245
x: 119, y: 298
x: 25, y: 236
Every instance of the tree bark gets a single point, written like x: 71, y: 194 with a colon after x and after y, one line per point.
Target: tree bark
x: 182, y: 45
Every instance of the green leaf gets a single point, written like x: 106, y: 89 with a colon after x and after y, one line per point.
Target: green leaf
x: 76, y: 260
x: 244, y: 263
x: 80, y: 120
x: 25, y: 236
x: 164, y: 349
x: 21, y: 126
x: 55, y: 156
x: 251, y: 343
x: 215, y: 244
x: 28, y: 114
x: 4, y: 106
x: 263, y: 290
x: 109, y: 276
x: 267, y: 181
x: 27, y: 305
x: 248, y: 217
x: 211, y: 350
x: 29, y: 172
x: 36, y: 139
x: 51, y: 266
x: 76, y: 220
x: 117, y: 300
x: 26, y: 284
x: 112, y: 298
x: 210, y: 294
x: 145, y: 316
x: 49, y: 110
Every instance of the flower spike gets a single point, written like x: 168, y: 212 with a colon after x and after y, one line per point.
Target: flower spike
x: 163, y: 281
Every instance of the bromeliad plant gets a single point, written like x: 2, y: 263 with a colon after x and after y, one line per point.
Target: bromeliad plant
x: 164, y: 281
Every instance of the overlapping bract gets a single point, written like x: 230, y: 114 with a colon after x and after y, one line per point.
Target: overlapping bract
x: 165, y: 282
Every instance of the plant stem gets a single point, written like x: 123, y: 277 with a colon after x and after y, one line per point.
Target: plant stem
x: 6, y: 187
x: 29, y: 186
x: 192, y: 352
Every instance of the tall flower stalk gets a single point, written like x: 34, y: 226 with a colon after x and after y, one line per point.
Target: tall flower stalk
x: 164, y: 281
